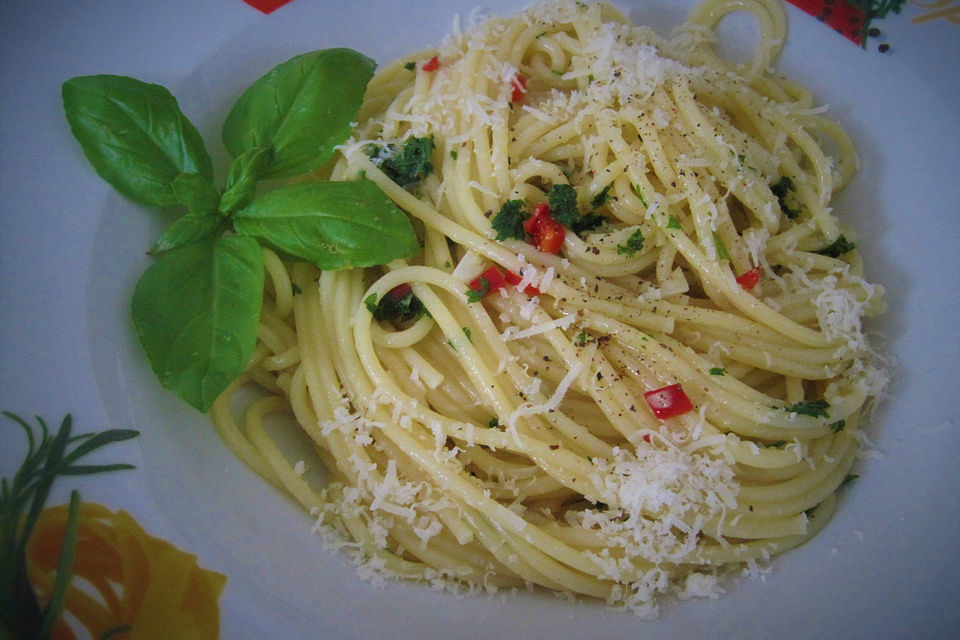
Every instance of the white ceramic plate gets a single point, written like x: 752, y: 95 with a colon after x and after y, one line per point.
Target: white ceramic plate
x: 887, y: 566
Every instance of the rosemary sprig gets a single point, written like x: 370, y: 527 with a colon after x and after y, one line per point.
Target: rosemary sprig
x: 22, y: 498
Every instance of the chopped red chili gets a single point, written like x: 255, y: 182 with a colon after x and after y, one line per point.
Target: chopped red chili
x: 749, y: 279
x: 514, y: 279
x: 489, y: 281
x: 519, y: 87
x: 432, y: 64
x: 547, y: 233
x: 668, y: 402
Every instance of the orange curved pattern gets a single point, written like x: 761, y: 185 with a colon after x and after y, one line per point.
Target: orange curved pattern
x: 123, y: 577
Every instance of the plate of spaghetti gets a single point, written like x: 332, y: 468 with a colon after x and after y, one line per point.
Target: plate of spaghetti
x: 570, y: 319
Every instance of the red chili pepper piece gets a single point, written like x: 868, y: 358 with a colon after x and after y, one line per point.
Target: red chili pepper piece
x: 548, y: 234
x: 432, y: 64
x: 514, y: 279
x: 519, y: 86
x: 668, y: 402
x: 494, y: 279
x: 541, y: 211
x: 749, y: 279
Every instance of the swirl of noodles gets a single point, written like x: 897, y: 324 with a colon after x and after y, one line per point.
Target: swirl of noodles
x: 505, y: 441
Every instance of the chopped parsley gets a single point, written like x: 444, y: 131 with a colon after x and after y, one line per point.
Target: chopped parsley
x: 562, y: 199
x: 639, y: 192
x: 587, y: 222
x: 581, y: 338
x: 493, y: 423
x: 603, y: 197
x: 410, y: 66
x: 508, y: 223
x: 453, y: 153
x: 633, y: 244
x: 673, y: 223
x: 402, y: 306
x: 850, y: 477
x: 837, y: 248
x: 409, y: 165
x: 783, y: 190
x: 838, y: 426
x: 476, y: 295
x: 718, y: 371
x: 295, y: 288
x: 466, y: 332
x: 813, y: 408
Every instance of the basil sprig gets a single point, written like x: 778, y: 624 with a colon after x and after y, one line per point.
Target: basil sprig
x: 197, y: 308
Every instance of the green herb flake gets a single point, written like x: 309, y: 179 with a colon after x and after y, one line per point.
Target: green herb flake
x: 838, y: 426
x: 295, y: 288
x: 673, y: 223
x: 783, y: 190
x: 587, y: 222
x: 493, y: 423
x: 371, y: 303
x: 850, y: 477
x: 718, y: 371
x: 410, y: 164
x: 476, y: 295
x: 399, y: 308
x: 410, y: 66
x: 838, y: 247
x: 467, y: 332
x: 603, y: 197
x: 633, y: 244
x: 637, y: 190
x: 508, y: 223
x: 581, y: 338
x: 813, y: 408
x: 453, y: 153
x: 562, y: 199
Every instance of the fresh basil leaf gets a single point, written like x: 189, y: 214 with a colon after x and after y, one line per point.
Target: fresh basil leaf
x: 186, y: 229
x: 196, y: 310
x: 334, y: 225
x: 196, y: 192
x: 134, y: 135
x: 301, y: 109
x: 245, y: 171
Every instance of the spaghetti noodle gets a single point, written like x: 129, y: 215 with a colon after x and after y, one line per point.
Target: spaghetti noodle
x: 508, y: 432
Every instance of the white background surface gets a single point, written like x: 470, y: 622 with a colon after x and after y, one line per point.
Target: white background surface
x: 887, y: 566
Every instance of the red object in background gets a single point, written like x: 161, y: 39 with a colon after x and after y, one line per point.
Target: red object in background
x: 432, y: 64
x: 844, y: 17
x: 668, y: 402
x: 267, y: 6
